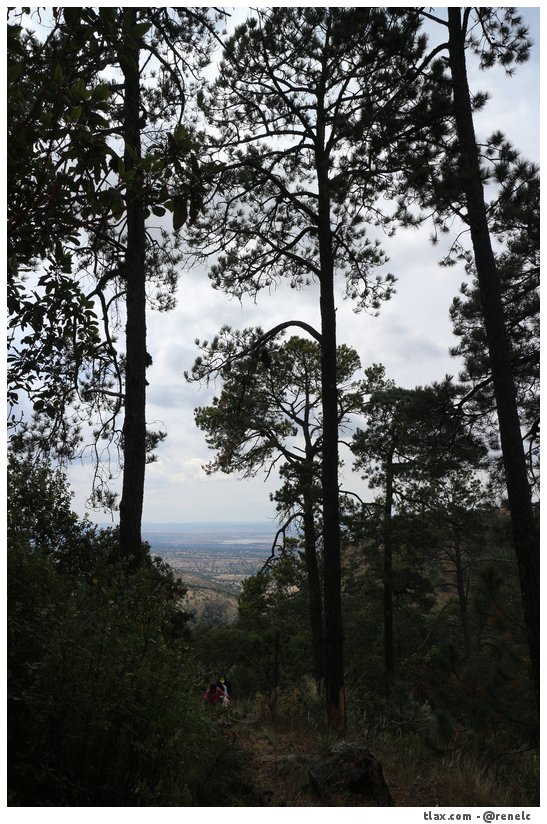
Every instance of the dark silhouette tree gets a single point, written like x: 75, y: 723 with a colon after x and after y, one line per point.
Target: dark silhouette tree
x: 525, y: 530
x: 412, y: 439
x: 514, y: 220
x: 315, y: 111
x: 56, y: 106
x: 457, y: 504
x: 269, y: 413
x: 496, y: 36
x: 120, y: 157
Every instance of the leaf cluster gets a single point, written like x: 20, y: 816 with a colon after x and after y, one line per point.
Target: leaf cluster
x: 418, y: 433
x: 315, y: 108
x: 269, y: 409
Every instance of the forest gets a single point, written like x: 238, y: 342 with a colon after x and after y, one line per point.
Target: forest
x: 391, y: 642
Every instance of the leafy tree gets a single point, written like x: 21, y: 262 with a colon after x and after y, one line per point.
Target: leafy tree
x: 495, y: 36
x: 412, y: 581
x: 456, y: 507
x: 412, y: 439
x: 274, y: 602
x: 268, y: 647
x: 269, y: 411
x: 101, y: 706
x: 38, y: 504
x: 121, y: 157
x: 315, y: 110
x: 56, y: 106
x: 496, y: 675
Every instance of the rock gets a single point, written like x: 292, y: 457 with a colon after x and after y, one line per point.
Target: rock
x: 350, y: 768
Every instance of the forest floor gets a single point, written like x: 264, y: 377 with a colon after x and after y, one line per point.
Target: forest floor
x: 270, y: 775
x: 268, y: 767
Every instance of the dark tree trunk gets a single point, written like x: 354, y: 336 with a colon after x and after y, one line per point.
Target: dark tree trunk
x: 134, y: 427
x: 525, y: 532
x: 388, y: 576
x: 332, y: 586
x: 334, y: 637
x: 314, y: 585
x: 462, y: 599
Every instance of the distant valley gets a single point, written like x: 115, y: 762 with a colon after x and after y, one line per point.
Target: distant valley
x: 212, y: 560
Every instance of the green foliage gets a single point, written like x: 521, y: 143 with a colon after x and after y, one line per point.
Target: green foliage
x: 479, y: 704
x: 101, y: 690
x: 275, y: 603
x: 285, y: 131
x: 421, y: 433
x: 269, y: 411
x: 269, y: 645
x: 71, y: 171
x: 515, y: 224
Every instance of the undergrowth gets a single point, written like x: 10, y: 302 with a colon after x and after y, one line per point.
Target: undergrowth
x: 418, y: 770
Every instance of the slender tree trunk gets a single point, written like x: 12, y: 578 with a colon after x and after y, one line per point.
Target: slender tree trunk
x: 388, y: 576
x: 462, y: 599
x: 332, y: 599
x: 134, y: 427
x: 525, y: 532
x: 314, y: 585
x: 334, y: 636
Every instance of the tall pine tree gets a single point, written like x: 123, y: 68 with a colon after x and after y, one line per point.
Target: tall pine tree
x: 315, y: 111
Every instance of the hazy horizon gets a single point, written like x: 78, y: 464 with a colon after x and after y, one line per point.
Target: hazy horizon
x: 264, y: 524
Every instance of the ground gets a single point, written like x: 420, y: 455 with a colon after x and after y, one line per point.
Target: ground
x: 271, y: 774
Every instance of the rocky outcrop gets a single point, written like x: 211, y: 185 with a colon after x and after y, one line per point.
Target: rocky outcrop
x: 347, y: 769
x: 350, y: 768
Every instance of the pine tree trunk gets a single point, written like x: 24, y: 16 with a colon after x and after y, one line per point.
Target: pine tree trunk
x: 334, y: 637
x: 134, y: 427
x: 332, y: 586
x: 388, y: 576
x: 525, y: 532
x: 314, y: 585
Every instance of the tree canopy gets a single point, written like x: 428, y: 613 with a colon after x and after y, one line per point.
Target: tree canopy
x: 322, y: 133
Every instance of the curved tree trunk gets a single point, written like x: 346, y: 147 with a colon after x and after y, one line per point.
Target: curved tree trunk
x: 525, y: 532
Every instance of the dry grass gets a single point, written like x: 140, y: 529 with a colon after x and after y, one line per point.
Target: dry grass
x: 270, y: 748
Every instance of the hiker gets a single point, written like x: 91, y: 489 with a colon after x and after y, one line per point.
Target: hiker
x: 223, y: 685
x: 213, y: 694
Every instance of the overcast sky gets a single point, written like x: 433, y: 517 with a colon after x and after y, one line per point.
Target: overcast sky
x: 411, y: 336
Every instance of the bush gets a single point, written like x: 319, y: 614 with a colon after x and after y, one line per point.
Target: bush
x: 101, y: 689
x: 102, y: 711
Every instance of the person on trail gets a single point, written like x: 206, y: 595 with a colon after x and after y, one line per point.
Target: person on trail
x: 213, y: 694
x: 224, y: 686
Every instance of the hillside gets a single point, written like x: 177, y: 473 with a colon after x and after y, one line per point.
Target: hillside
x: 208, y: 601
x: 212, y: 560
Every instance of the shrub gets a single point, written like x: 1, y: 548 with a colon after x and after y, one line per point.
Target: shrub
x: 101, y: 688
